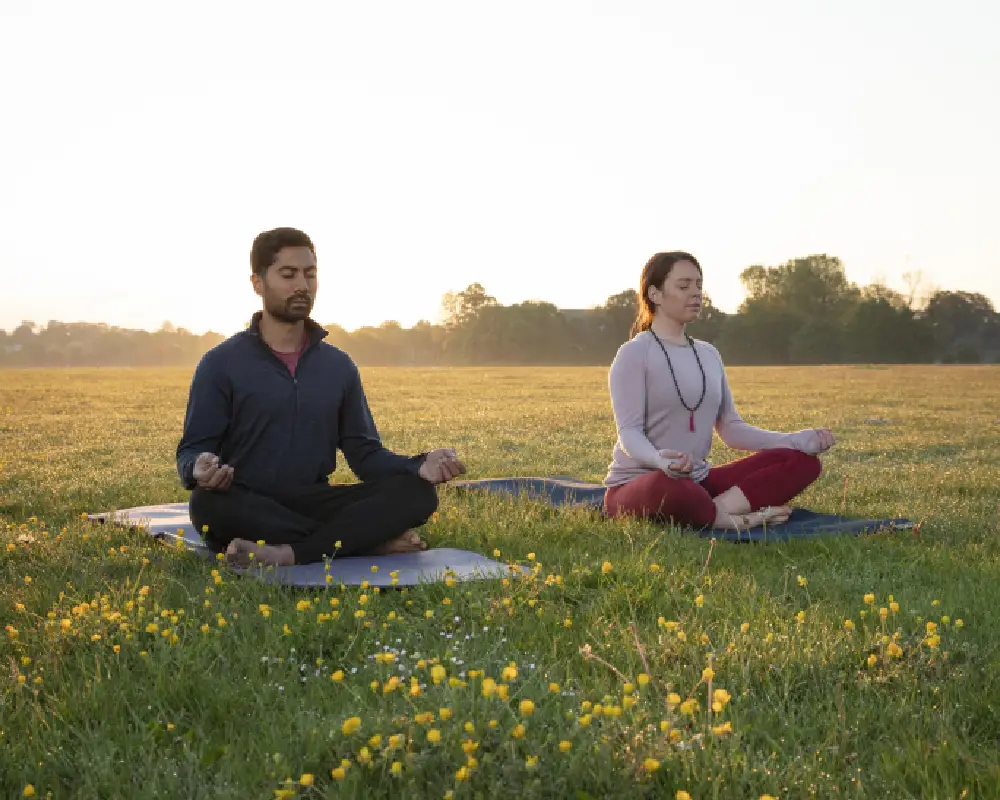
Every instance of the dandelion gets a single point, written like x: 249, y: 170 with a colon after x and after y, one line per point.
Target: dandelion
x: 682, y: 795
x: 883, y: 613
x: 567, y: 623
x: 510, y: 672
x: 894, y: 650
x: 894, y: 607
x: 642, y: 679
x: 802, y: 581
x: 396, y: 768
x: 338, y: 773
x: 959, y: 623
x: 565, y: 746
x: 872, y: 660
x: 744, y: 627
x: 800, y: 617
x: 29, y: 790
x: 650, y: 765
x: 531, y: 762
x: 350, y: 725
x: 433, y: 736
x: 688, y: 707
x: 518, y: 732
x: 720, y: 698
x: 699, y: 600
x: 438, y: 673
x: 527, y: 708
x: 869, y: 599
x: 723, y: 729
x: 707, y: 674
x: 848, y: 625
x: 462, y: 774
x: 306, y: 779
x: 606, y: 567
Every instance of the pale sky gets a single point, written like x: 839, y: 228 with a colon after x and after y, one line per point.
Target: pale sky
x: 544, y: 149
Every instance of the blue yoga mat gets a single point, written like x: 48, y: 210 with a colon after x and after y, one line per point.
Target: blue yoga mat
x: 802, y: 524
x: 171, y: 524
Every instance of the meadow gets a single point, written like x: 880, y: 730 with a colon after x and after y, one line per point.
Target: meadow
x: 636, y: 660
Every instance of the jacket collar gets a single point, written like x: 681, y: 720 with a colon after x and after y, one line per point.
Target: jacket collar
x: 314, y: 331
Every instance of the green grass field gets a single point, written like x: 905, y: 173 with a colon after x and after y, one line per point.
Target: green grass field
x: 131, y: 670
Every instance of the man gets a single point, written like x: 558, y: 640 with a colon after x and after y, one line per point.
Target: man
x: 267, y: 410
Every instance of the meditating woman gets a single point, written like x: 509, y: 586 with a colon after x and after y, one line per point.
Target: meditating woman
x: 669, y: 392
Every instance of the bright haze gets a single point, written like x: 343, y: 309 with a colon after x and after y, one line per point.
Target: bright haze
x: 544, y: 149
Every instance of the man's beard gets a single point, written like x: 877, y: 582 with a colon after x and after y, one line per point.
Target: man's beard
x: 294, y: 309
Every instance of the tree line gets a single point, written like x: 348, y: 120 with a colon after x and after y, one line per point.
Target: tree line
x: 804, y: 311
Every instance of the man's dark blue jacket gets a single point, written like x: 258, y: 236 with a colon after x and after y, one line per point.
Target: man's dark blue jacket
x: 279, y: 431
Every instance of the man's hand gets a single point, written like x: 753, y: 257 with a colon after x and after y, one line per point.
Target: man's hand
x: 211, y: 475
x: 819, y: 441
x: 675, y: 463
x: 441, y: 466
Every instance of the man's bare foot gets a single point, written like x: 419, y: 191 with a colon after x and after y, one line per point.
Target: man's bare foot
x: 409, y: 542
x: 242, y: 553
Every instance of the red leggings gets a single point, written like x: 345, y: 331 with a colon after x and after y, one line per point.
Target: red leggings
x: 767, y: 478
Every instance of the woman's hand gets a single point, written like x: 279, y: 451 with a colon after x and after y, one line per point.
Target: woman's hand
x: 675, y: 463
x: 818, y: 440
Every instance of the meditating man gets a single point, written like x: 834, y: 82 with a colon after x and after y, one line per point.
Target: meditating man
x: 267, y: 410
x: 669, y: 393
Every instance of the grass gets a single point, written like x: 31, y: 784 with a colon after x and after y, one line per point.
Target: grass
x: 132, y: 670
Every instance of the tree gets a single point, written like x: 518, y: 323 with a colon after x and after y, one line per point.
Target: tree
x: 807, y: 287
x: 461, y: 307
x: 962, y: 321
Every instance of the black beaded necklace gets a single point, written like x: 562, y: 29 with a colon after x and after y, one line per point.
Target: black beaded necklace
x: 701, y: 369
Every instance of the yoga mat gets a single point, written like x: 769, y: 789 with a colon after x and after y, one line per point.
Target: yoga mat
x: 802, y: 524
x: 171, y: 524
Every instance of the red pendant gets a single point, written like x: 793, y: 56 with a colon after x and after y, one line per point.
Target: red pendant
x: 692, y: 421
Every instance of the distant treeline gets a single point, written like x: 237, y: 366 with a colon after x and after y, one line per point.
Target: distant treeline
x: 802, y: 312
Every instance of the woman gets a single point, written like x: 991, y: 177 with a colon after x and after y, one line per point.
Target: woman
x: 668, y: 393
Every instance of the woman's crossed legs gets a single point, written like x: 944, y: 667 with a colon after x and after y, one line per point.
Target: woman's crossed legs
x: 741, y: 494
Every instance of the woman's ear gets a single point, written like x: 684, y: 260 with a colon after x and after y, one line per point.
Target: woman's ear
x: 654, y: 295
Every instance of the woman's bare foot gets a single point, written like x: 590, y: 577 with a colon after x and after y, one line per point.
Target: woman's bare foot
x: 409, y: 542
x: 242, y: 553
x: 772, y: 515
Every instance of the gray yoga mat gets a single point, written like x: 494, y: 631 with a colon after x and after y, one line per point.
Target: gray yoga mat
x: 802, y: 524
x: 171, y: 524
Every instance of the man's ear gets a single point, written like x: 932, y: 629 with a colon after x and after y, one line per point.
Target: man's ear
x: 258, y: 284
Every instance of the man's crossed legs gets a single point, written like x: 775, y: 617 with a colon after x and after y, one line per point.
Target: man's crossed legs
x: 302, y: 525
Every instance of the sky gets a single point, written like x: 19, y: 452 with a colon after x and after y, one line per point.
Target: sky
x: 543, y: 149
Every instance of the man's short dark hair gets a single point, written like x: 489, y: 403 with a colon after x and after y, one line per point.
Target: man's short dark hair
x: 268, y: 244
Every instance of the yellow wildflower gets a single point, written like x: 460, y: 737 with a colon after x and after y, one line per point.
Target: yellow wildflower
x: 350, y: 725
